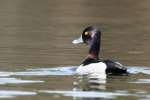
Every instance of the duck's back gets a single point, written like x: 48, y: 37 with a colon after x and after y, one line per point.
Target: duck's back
x: 114, y: 67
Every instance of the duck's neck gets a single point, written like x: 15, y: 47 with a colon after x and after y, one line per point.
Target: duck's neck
x: 95, y: 44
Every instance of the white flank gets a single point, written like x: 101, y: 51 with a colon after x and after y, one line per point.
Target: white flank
x: 92, y: 68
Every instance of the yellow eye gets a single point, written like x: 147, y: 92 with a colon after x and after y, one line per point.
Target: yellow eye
x: 86, y: 33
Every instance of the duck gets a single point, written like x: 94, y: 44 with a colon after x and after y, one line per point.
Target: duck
x: 91, y: 36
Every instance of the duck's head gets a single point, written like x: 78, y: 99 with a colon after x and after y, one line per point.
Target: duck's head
x: 90, y: 36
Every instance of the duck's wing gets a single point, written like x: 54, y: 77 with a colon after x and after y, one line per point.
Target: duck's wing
x: 115, y: 68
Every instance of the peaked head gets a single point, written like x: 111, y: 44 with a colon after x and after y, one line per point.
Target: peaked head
x: 87, y: 35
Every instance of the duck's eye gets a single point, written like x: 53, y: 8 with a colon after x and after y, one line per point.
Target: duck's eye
x: 86, y: 33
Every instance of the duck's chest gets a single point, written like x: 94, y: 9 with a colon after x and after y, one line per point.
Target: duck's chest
x: 99, y: 67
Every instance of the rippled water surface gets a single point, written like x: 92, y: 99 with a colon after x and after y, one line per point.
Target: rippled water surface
x: 38, y: 60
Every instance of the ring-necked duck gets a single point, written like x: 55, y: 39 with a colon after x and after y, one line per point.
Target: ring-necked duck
x: 92, y: 64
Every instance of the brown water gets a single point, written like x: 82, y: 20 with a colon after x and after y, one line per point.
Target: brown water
x: 36, y: 36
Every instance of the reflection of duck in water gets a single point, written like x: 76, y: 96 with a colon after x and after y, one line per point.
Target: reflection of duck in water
x: 92, y: 64
x: 95, y: 82
x: 91, y: 82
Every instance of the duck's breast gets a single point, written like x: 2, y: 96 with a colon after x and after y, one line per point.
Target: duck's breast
x: 99, y: 67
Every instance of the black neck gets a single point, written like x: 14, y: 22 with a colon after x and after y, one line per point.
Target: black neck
x: 95, y: 45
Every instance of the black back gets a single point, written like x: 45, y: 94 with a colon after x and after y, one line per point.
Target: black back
x: 89, y: 61
x: 115, y: 68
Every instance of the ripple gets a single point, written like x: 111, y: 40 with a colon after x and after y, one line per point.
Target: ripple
x: 17, y: 81
x: 135, y: 52
x: 86, y: 94
x: 146, y: 81
x: 69, y: 70
x: 14, y: 93
x: 138, y: 69
x: 4, y: 74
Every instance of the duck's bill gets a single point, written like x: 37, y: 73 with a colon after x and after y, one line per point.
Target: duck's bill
x: 78, y: 40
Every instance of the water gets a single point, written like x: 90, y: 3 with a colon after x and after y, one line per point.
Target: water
x: 37, y: 58
x: 63, y: 82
